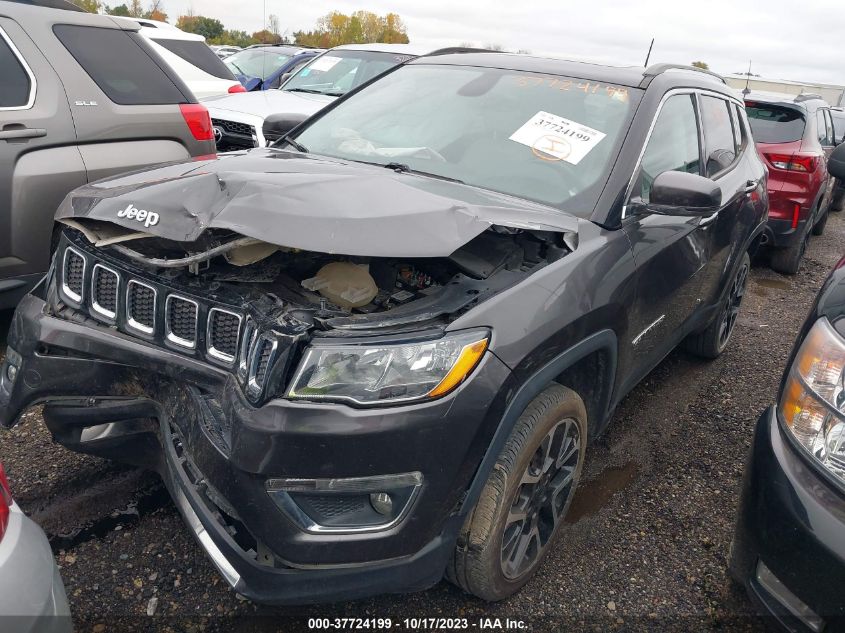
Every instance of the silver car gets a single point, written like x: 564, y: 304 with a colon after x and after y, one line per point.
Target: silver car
x: 32, y: 596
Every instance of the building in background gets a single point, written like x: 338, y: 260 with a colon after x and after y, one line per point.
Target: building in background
x: 833, y: 94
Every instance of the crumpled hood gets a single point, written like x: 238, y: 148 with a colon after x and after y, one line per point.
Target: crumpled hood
x: 263, y: 103
x: 310, y: 203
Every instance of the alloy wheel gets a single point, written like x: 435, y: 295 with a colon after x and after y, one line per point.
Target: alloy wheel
x: 541, y: 499
x: 731, y: 309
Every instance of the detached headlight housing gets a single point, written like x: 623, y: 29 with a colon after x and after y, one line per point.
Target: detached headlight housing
x: 388, y: 373
x: 812, y: 404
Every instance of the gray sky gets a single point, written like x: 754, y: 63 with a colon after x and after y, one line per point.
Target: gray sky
x: 788, y: 39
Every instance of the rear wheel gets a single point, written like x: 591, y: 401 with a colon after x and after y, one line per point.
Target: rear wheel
x: 711, y: 342
x: 522, y: 505
x: 818, y: 228
x: 838, y: 197
x: 788, y: 260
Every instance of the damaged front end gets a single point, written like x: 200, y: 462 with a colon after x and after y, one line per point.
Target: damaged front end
x: 289, y: 397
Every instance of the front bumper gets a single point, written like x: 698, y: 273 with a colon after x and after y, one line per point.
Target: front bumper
x: 112, y: 395
x: 789, y: 547
x: 32, y: 596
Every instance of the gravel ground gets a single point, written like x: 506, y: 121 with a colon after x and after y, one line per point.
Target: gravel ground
x: 645, y: 547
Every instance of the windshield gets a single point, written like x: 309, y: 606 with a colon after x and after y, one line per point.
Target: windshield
x: 541, y: 137
x: 774, y: 124
x: 337, y: 72
x: 256, y: 62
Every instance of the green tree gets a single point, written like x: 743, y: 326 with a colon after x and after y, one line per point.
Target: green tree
x: 92, y: 6
x: 234, y: 38
x: 335, y: 28
x: 265, y: 36
x: 209, y: 28
x: 120, y: 9
x: 702, y: 65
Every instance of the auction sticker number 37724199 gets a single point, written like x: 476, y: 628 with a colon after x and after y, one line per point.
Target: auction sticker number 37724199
x: 555, y: 138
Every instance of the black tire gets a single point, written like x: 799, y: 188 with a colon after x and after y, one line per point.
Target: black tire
x: 478, y: 565
x: 714, y: 339
x: 787, y: 261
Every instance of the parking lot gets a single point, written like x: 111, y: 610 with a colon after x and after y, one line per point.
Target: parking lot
x: 645, y: 548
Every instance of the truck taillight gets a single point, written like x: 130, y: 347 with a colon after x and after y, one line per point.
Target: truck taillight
x: 237, y: 88
x: 198, y: 120
x: 5, y: 502
x: 794, y: 162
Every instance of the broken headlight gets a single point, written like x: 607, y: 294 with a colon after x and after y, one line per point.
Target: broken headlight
x: 813, y: 401
x: 388, y: 373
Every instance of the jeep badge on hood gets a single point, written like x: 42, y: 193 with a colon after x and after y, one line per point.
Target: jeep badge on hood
x: 149, y: 218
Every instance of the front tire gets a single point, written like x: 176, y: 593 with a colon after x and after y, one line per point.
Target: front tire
x: 711, y: 342
x: 521, y: 508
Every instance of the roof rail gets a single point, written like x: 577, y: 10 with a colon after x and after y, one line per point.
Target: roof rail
x: 450, y: 50
x: 51, y: 4
x: 658, y: 69
x: 807, y: 96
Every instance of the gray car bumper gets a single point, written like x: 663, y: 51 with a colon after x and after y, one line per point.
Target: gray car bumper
x: 32, y: 596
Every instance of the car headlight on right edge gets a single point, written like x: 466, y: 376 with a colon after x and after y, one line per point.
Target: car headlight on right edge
x: 388, y: 373
x: 812, y: 404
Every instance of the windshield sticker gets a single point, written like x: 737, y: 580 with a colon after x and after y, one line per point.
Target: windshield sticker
x: 619, y: 93
x: 554, y: 138
x: 325, y: 63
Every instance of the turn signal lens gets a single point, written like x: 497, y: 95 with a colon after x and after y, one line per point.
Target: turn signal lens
x: 470, y: 355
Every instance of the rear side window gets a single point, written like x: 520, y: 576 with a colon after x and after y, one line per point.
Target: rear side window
x: 838, y: 125
x: 200, y: 55
x: 15, y: 81
x: 120, y: 63
x: 673, y: 145
x: 774, y: 124
x: 719, y: 140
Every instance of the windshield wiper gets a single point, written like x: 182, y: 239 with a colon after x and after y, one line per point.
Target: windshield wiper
x: 308, y: 90
x: 299, y: 147
x: 402, y: 168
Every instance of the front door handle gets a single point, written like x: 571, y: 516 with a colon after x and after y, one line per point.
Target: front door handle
x: 20, y: 132
x: 751, y: 186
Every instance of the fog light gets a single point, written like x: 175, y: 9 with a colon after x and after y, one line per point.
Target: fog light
x: 11, y: 373
x: 382, y: 503
x: 777, y: 590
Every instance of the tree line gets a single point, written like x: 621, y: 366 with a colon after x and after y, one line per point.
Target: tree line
x: 333, y: 29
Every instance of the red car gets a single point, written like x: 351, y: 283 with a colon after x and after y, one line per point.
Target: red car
x: 794, y: 137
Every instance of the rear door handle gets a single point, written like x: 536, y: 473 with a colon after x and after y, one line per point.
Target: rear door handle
x: 21, y: 133
x: 751, y: 186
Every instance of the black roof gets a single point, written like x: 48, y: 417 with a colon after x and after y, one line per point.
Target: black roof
x: 632, y: 76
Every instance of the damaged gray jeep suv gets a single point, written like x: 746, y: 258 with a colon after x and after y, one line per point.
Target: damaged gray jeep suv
x: 375, y: 353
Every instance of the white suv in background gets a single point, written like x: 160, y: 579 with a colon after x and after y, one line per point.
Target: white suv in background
x: 238, y: 119
x: 190, y: 57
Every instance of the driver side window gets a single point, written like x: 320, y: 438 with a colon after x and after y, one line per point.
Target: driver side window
x: 673, y: 146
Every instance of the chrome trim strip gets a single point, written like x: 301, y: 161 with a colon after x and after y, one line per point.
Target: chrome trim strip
x: 95, y: 305
x: 33, y: 84
x: 253, y: 388
x: 212, y: 351
x: 132, y: 322
x: 70, y: 294
x: 169, y: 335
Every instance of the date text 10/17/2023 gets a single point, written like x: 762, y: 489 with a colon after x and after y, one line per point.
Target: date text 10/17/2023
x: 416, y: 624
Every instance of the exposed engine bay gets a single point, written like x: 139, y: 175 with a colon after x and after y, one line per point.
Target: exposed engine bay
x: 340, y: 291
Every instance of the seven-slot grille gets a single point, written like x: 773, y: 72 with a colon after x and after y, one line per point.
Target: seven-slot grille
x: 223, y: 330
x: 74, y: 275
x: 181, y: 316
x: 146, y: 308
x: 104, y: 285
x: 141, y: 306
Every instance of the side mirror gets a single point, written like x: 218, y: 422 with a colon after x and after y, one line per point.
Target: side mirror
x: 836, y: 162
x: 278, y: 125
x: 253, y: 83
x: 680, y: 193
